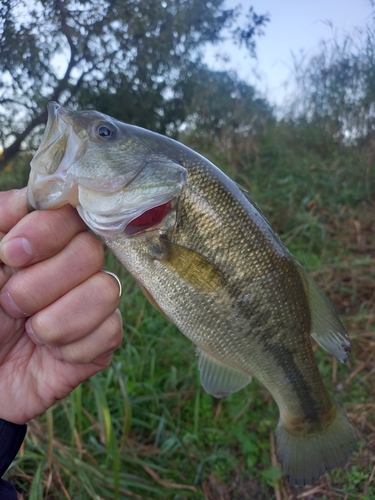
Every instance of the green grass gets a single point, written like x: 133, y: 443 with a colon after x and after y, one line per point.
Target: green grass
x: 145, y: 429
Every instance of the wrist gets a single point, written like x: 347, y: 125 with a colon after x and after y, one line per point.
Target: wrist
x: 13, y: 417
x: 11, y: 437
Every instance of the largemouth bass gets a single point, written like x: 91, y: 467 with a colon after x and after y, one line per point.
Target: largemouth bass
x: 207, y: 258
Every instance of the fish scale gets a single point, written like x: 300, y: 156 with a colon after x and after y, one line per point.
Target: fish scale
x: 206, y: 257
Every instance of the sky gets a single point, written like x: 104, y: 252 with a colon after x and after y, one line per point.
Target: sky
x: 296, y: 26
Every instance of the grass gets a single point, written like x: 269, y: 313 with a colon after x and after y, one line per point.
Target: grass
x: 145, y: 428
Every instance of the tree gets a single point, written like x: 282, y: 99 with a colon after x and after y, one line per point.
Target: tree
x: 336, y: 88
x: 122, y: 57
x: 225, y: 116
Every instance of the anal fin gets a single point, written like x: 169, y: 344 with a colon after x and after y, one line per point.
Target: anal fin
x: 218, y: 379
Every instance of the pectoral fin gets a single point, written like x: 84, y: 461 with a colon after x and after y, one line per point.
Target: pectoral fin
x: 191, y: 266
x: 326, y: 327
x: 218, y: 379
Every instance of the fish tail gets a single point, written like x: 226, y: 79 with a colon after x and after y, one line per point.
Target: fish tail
x: 306, y: 456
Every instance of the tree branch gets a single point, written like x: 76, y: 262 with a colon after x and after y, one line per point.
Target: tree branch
x: 13, y: 149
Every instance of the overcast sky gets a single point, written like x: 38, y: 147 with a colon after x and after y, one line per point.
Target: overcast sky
x: 295, y: 26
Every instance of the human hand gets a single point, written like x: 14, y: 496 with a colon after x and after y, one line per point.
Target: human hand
x: 58, y: 319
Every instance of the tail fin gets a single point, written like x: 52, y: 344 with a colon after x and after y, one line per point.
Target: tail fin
x: 305, y: 457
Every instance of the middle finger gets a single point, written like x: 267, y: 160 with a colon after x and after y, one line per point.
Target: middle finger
x: 35, y: 287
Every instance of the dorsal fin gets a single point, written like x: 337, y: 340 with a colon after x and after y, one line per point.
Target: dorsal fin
x: 326, y: 327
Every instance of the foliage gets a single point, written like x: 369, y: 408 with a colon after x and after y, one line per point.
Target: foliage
x: 336, y: 87
x: 226, y: 116
x: 122, y: 57
x: 145, y: 429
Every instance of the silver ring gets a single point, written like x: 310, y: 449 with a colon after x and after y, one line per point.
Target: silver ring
x: 116, y: 278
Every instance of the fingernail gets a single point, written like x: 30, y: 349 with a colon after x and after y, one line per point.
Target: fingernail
x: 31, y: 334
x: 55, y: 351
x: 118, y: 314
x: 10, y: 307
x: 17, y: 252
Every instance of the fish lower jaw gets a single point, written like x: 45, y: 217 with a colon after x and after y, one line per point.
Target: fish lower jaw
x: 133, y: 222
x: 50, y: 194
x: 106, y: 226
x: 110, y: 227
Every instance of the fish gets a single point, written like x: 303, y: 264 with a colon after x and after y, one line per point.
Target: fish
x: 205, y: 256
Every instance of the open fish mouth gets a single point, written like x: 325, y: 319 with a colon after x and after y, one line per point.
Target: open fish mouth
x: 53, y: 139
x: 50, y: 185
x: 65, y: 170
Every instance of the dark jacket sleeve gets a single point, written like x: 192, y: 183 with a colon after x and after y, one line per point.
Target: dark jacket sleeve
x: 11, y: 437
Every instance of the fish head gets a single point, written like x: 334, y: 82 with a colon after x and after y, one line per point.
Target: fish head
x: 104, y: 168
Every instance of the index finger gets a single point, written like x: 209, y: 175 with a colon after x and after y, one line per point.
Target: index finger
x: 38, y: 235
x: 13, y: 207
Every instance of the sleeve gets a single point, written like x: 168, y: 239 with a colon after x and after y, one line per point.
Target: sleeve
x: 11, y: 437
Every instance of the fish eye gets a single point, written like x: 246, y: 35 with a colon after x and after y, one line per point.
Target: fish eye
x: 105, y: 131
